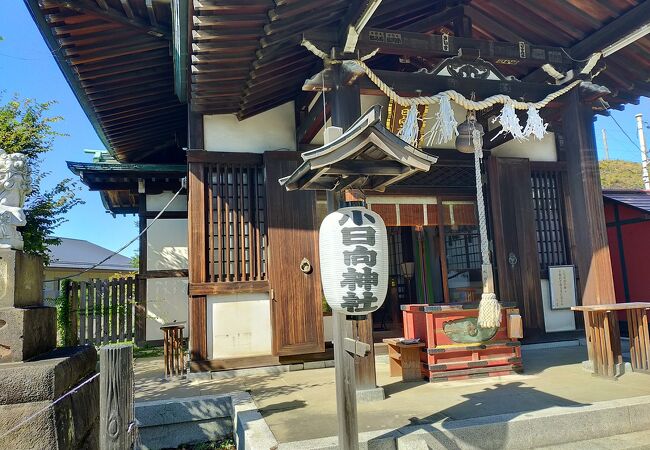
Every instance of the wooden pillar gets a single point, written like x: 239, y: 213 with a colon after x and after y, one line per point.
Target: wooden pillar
x: 141, y: 297
x: 196, y: 227
x: 586, y: 196
x: 346, y: 109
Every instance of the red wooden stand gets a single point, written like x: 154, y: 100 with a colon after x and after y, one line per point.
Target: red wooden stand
x: 443, y: 359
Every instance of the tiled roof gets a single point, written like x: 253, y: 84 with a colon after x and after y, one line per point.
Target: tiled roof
x: 81, y: 254
x: 635, y: 198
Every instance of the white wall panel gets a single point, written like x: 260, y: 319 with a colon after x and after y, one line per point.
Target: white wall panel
x: 274, y: 129
x: 239, y: 325
x: 166, y: 302
x: 157, y: 202
x: 167, y: 244
x: 533, y: 149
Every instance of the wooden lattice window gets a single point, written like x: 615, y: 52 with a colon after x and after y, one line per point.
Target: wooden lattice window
x: 236, y: 218
x: 550, y: 222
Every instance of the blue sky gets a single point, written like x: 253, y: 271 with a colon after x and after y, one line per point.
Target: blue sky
x: 28, y: 69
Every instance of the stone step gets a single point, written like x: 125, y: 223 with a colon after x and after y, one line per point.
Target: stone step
x: 546, y: 428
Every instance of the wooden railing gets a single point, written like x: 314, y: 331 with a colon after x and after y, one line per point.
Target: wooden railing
x: 102, y: 310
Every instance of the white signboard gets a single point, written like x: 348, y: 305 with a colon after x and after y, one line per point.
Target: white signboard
x: 563, y: 286
x: 354, y: 260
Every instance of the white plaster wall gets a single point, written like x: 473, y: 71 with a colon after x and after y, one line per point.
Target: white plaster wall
x: 158, y: 201
x: 166, y: 302
x: 239, y: 325
x: 274, y: 129
x: 533, y: 149
x: 167, y: 244
x: 555, y: 319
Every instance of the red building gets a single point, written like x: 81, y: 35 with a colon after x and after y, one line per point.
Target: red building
x: 627, y: 213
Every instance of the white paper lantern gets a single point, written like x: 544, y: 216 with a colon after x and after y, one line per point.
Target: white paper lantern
x: 354, y: 260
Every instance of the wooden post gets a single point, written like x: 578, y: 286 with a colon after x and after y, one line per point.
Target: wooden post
x: 346, y: 108
x: 116, y: 397
x: 73, y: 338
x: 585, y: 193
x: 346, y: 396
x: 140, y: 305
x: 196, y: 225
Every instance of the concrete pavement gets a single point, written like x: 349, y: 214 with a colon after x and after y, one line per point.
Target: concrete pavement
x: 301, y: 405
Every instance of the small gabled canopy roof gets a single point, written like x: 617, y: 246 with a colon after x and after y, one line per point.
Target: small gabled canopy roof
x: 118, y: 182
x: 637, y: 199
x: 366, y: 156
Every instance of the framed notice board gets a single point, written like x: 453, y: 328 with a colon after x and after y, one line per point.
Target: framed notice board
x: 562, y: 282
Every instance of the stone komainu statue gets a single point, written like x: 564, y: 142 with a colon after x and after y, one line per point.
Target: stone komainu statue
x: 15, y: 182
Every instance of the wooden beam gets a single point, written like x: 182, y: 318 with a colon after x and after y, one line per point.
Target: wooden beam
x: 312, y: 124
x: 126, y: 6
x: 240, y: 287
x: 151, y: 13
x: 406, y: 43
x: 88, y: 7
x: 613, y: 31
x: 366, y: 168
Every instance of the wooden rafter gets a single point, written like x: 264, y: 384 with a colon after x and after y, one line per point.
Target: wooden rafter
x: 89, y: 7
x: 607, y: 35
x: 126, y: 6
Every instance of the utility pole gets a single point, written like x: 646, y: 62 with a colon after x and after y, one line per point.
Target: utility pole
x: 644, y: 152
x: 605, y: 144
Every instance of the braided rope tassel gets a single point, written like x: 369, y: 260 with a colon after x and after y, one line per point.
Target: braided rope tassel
x: 489, y: 309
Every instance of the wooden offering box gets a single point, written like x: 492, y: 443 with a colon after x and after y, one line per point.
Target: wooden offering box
x: 456, y: 348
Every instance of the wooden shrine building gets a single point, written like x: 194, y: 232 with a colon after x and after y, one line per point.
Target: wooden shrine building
x: 235, y: 94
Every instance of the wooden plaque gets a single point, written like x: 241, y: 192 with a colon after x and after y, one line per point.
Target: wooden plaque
x: 563, y: 286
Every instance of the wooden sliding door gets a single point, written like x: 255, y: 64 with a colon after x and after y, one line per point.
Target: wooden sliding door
x: 515, y: 240
x: 296, y: 295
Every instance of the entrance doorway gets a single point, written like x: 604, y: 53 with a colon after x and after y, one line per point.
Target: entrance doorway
x: 434, y: 254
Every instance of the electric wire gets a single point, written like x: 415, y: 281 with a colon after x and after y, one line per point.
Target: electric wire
x: 128, y: 243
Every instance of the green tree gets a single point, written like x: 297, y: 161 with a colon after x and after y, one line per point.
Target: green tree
x: 26, y: 127
x: 619, y: 174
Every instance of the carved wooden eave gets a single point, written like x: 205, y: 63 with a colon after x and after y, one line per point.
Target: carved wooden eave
x: 366, y: 156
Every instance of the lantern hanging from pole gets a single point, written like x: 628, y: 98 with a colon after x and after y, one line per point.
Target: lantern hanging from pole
x: 353, y: 249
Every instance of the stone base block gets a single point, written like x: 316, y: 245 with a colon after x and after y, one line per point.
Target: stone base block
x: 46, y: 377
x: 29, y: 388
x: 26, y: 332
x: 371, y: 395
x: 21, y: 279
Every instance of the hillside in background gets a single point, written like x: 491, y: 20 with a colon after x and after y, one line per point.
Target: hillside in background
x: 619, y: 174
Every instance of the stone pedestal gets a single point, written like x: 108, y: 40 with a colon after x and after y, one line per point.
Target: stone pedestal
x: 33, y: 374
x: 27, y: 328
x: 21, y: 279
x: 26, y: 332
